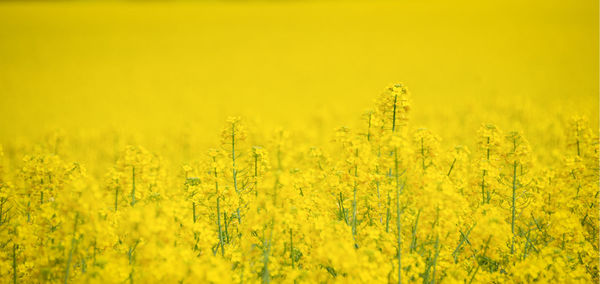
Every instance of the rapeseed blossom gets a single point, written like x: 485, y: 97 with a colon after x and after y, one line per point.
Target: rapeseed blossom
x: 384, y: 202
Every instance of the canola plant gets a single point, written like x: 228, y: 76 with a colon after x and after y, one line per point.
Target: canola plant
x: 383, y: 202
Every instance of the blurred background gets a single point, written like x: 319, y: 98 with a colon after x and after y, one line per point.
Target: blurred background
x: 149, y: 68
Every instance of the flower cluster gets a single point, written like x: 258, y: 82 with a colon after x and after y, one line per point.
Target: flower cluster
x: 384, y: 202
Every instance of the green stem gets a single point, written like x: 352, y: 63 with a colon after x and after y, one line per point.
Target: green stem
x: 255, y: 175
x: 234, y: 169
x: 29, y: 209
x: 398, y: 220
x: 451, y: 167
x: 219, y: 226
x: 354, y: 201
x: 131, y: 256
x: 292, y: 248
x: 226, y: 233
x: 14, y: 263
x: 194, y: 211
x: 483, y: 187
x: 73, y: 243
x: 116, y: 198
x: 437, y: 252
x: 514, y: 198
x: 394, y: 114
x: 234, y: 172
x: 488, y: 148
x: 388, y: 213
x: 266, y: 277
x: 132, y: 186
x: 218, y: 209
x: 413, y: 243
x: 463, y: 238
x: 526, y: 244
x: 484, y: 251
x: 342, y: 209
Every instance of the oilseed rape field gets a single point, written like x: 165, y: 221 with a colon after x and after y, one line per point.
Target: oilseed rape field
x: 299, y: 142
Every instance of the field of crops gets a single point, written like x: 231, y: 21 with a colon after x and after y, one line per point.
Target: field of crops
x: 299, y: 142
